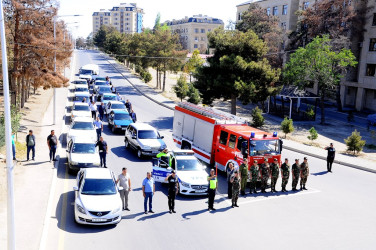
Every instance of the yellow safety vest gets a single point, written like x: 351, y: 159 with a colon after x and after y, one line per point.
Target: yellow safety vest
x: 213, y: 184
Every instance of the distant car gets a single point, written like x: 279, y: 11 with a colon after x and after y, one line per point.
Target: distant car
x: 79, y: 97
x: 105, y: 98
x: 98, y: 84
x: 372, y: 119
x: 114, y: 105
x: 77, y: 83
x: 145, y: 139
x: 88, y: 71
x: 119, y: 120
x: 103, y: 90
x: 80, y: 109
x: 99, y: 78
x: 189, y: 170
x: 82, y: 153
x: 97, y: 200
x: 82, y: 127
x: 81, y: 89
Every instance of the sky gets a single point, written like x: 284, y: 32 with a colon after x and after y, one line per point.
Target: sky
x: 169, y: 9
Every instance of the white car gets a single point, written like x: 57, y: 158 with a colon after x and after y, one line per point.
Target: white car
x: 189, y: 170
x: 97, y: 201
x: 82, y: 153
x: 114, y: 105
x: 82, y: 127
x: 80, y: 109
x: 81, y: 88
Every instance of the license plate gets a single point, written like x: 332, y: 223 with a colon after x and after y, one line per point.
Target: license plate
x: 98, y: 220
x: 200, y: 191
x: 124, y: 128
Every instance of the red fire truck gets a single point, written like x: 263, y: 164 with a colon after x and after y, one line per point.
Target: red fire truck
x: 219, y: 138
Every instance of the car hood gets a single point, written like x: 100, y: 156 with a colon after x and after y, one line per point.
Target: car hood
x: 85, y: 76
x: 85, y: 158
x: 82, y: 133
x: 122, y: 122
x: 198, y: 177
x: 99, y: 203
x: 81, y: 113
x: 154, y: 143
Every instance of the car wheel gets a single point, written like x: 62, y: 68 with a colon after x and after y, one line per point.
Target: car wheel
x: 139, y: 153
x: 126, y: 142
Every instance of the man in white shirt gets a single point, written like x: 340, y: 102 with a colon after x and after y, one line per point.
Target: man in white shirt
x: 93, y: 109
x: 125, y: 182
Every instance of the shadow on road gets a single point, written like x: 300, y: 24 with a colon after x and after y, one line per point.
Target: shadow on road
x: 131, y: 216
x: 194, y: 213
x: 162, y: 123
x: 152, y: 216
x: 320, y: 173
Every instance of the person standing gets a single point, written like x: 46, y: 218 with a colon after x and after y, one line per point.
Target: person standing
x: 125, y: 182
x: 133, y: 116
x: 13, y: 147
x: 304, y: 172
x: 92, y: 98
x: 98, y: 127
x: 254, y: 173
x: 213, y: 185
x: 128, y: 105
x: 148, y: 190
x: 84, y: 100
x: 295, y: 171
x: 93, y: 109
x: 235, y: 181
x: 52, y: 145
x: 103, y: 151
x: 265, y: 173
x: 330, y: 158
x: 230, y: 173
x: 274, y: 172
x: 30, y: 144
x: 118, y: 97
x: 285, y: 173
x: 173, y: 187
x: 243, y: 175
x: 101, y: 111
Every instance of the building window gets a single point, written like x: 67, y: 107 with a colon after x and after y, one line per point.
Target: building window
x: 196, y: 30
x: 284, y: 10
x: 374, y: 19
x: 239, y: 16
x: 275, y: 11
x: 283, y: 25
x: 209, y: 30
x: 202, y: 38
x: 202, y: 30
x: 195, y: 46
x: 372, y: 44
x: 196, y: 39
x: 305, y: 5
x: 268, y: 11
x: 371, y: 70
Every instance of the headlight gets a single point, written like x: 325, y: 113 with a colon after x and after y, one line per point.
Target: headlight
x: 184, y: 184
x: 116, y: 210
x: 80, y: 209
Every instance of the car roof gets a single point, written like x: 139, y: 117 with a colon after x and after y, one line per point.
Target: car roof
x: 104, y: 86
x: 96, y: 81
x: 120, y: 111
x: 83, y: 119
x: 82, y: 139
x: 83, y: 81
x: 80, y: 104
x: 80, y: 86
x: 116, y: 102
x: 98, y: 173
x: 142, y: 126
x: 82, y: 94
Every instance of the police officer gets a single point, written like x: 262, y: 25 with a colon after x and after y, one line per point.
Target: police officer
x: 254, y: 172
x: 330, y: 158
x: 213, y: 184
x: 243, y: 175
x: 164, y: 156
x: 173, y: 187
x: 285, y: 173
x: 295, y: 171
x: 274, y: 172
x: 265, y: 173
x: 304, y: 172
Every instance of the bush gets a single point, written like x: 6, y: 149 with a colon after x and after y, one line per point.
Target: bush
x: 147, y: 76
x: 287, y: 126
x: 257, y: 119
x: 193, y: 95
x: 312, y: 134
x: 181, y: 88
x: 355, y: 143
x: 310, y: 113
x: 138, y: 69
x: 15, y: 121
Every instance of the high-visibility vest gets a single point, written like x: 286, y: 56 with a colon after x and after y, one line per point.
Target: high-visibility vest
x: 213, y: 183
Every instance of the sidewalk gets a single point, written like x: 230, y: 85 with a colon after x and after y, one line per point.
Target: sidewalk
x: 152, y: 94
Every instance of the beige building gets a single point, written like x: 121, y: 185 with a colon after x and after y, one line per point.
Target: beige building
x: 126, y: 18
x: 193, y: 31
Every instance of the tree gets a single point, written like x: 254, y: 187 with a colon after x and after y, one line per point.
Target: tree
x: 287, y: 126
x: 257, y: 119
x: 313, y: 135
x: 193, y: 95
x: 355, y: 143
x: 80, y: 42
x: 157, y: 23
x: 193, y: 63
x: 319, y: 64
x: 101, y: 35
x: 237, y: 70
x: 181, y: 88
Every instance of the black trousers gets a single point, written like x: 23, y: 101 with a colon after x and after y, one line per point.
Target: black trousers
x: 94, y: 114
x: 229, y: 189
x: 329, y: 163
x: 211, y: 193
x: 171, y: 199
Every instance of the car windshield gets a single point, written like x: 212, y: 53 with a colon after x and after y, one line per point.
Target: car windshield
x: 188, y: 165
x: 104, y: 90
x: 100, y: 79
x: 81, y: 108
x: 264, y: 147
x: 86, y: 72
x: 83, y: 125
x: 147, y: 134
x: 80, y: 82
x: 122, y: 117
x: 109, y: 97
x: 81, y: 98
x: 83, y: 148
x: 81, y: 89
x: 118, y: 106
x: 100, y: 83
x: 99, y: 187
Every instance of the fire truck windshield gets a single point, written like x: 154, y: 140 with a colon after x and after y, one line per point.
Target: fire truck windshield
x: 264, y: 147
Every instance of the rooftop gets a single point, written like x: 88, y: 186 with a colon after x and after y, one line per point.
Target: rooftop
x: 195, y: 19
x: 249, y: 2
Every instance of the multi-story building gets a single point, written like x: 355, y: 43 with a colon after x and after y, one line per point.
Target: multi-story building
x: 193, y: 31
x: 126, y: 18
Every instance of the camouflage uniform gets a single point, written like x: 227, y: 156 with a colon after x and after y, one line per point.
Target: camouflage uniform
x: 265, y: 172
x: 254, y: 176
x: 244, y: 177
x: 295, y: 171
x: 285, y: 172
x: 235, y: 190
x: 274, y: 169
x: 304, y: 175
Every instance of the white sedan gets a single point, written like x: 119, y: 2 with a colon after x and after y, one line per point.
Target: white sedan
x: 80, y: 109
x: 114, y: 105
x: 97, y: 201
x: 82, y: 153
x: 82, y: 127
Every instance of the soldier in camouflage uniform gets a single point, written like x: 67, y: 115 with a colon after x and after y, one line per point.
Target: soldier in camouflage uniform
x: 235, y: 180
x: 265, y: 173
x: 254, y: 173
x: 304, y: 172
x: 295, y: 171
x: 285, y: 173
x: 274, y: 172
x: 243, y: 175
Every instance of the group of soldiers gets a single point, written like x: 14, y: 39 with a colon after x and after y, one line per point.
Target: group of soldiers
x: 265, y: 171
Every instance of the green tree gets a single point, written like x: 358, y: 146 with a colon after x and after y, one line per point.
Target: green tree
x: 115, y: 43
x: 287, y: 126
x: 181, y: 88
x: 193, y: 95
x: 319, y: 64
x: 237, y: 70
x: 313, y: 135
x: 193, y: 63
x: 157, y: 23
x: 355, y: 143
x: 257, y: 119
x: 100, y: 37
x: 15, y: 123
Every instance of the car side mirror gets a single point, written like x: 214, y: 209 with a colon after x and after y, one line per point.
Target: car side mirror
x: 121, y: 188
x: 75, y: 188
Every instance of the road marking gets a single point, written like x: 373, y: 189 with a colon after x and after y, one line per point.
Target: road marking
x: 63, y: 216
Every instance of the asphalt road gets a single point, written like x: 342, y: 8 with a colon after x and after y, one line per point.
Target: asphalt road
x: 336, y: 212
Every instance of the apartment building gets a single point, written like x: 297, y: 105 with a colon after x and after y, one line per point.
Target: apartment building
x: 193, y: 31
x: 126, y: 18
